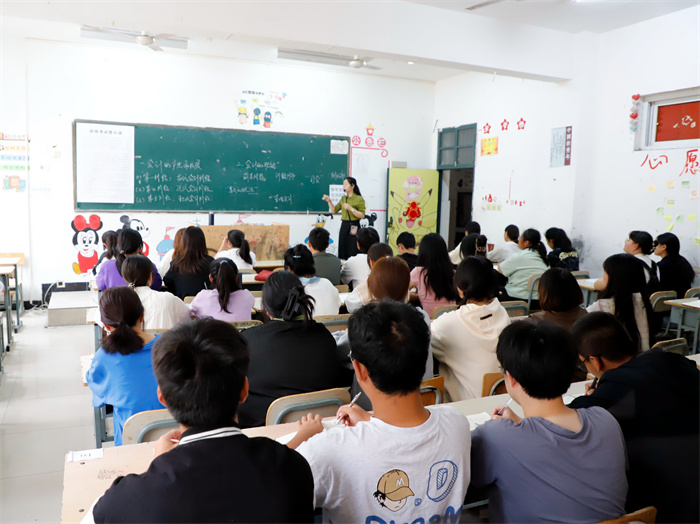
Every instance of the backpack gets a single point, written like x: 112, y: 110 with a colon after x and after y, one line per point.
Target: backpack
x: 653, y: 285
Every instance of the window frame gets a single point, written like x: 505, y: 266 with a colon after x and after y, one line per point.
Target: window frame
x: 645, y: 136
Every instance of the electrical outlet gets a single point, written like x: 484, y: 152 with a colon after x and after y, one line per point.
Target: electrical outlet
x: 60, y: 285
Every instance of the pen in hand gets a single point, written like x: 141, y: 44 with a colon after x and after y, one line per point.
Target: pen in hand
x: 500, y: 411
x: 352, y: 403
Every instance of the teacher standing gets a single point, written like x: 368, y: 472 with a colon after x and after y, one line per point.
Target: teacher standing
x: 353, y: 206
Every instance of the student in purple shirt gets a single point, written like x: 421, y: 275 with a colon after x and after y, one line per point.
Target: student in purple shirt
x: 227, y: 301
x: 129, y: 243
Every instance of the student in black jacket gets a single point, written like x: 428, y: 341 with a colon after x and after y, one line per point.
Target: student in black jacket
x: 189, y: 270
x: 675, y: 272
x: 215, y: 473
x: 654, y: 397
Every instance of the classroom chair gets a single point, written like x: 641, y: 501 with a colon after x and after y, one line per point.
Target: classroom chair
x: 516, y: 308
x: 493, y: 384
x: 334, y: 322
x: 441, y: 310
x: 188, y: 300
x: 242, y: 325
x: 155, y: 331
x: 646, y: 515
x: 432, y: 391
x: 257, y: 293
x: 676, y: 345
x: 532, y: 284
x: 692, y: 292
x: 674, y: 318
x: 343, y: 288
x: 15, y: 289
x: 147, y: 426
x: 581, y: 275
x: 293, y: 407
x: 658, y: 301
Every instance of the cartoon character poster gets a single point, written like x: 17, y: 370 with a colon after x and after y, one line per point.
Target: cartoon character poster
x: 86, y: 241
x: 413, y: 196
x: 137, y: 225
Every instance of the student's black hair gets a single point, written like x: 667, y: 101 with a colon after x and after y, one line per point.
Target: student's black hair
x: 626, y: 277
x: 300, y: 261
x: 378, y: 251
x: 559, y: 291
x: 319, y: 238
x: 129, y: 241
x: 513, y: 232
x: 602, y: 335
x: 473, y: 227
x: 673, y: 245
x: 645, y: 241
x: 224, y: 277
x: 366, y: 236
x: 237, y: 239
x: 109, y: 239
x: 474, y: 276
x: 200, y: 366
x: 439, y: 271
x: 541, y: 356
x: 353, y: 183
x: 192, y: 257
x: 284, y: 297
x: 407, y: 240
x: 474, y: 244
x: 121, y: 309
x: 136, y: 270
x: 533, y: 236
x: 391, y: 339
x: 559, y: 239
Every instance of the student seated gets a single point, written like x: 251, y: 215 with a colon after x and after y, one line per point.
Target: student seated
x: 625, y: 296
x: 406, y: 244
x: 433, y: 274
x: 291, y: 354
x: 562, y: 253
x: 300, y: 261
x: 675, y: 272
x: 654, y: 397
x: 405, y: 463
x: 360, y: 296
x: 472, y: 228
x: 464, y: 341
x: 519, y: 267
x: 109, y: 242
x: 560, y: 298
x: 509, y: 246
x: 227, y: 301
x: 556, y: 464
x: 168, y: 257
x: 161, y: 310
x: 327, y: 265
x: 189, y: 270
x: 212, y: 472
x: 474, y: 245
x: 121, y: 373
x: 236, y: 247
x: 356, y: 270
x: 129, y: 243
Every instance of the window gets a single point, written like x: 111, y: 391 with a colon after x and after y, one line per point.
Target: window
x: 456, y: 147
x: 669, y: 120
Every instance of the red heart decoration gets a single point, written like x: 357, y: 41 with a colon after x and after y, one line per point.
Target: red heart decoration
x: 634, y: 115
x: 635, y: 97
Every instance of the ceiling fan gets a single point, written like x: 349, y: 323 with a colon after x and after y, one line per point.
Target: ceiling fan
x: 151, y: 41
x: 355, y: 61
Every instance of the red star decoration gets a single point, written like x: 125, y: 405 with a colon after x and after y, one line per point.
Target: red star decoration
x: 521, y: 124
x: 504, y: 125
x: 487, y: 128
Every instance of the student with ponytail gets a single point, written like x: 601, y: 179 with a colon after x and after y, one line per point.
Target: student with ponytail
x: 236, y: 247
x: 226, y: 300
x: 121, y: 374
x: 129, y: 243
x: 291, y: 354
x: 519, y: 267
x: 161, y: 310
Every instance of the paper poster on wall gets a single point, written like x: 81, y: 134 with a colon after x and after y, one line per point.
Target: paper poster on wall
x: 14, y: 156
x: 335, y: 191
x: 560, y: 152
x: 260, y: 109
x: 489, y: 146
x: 412, y: 203
x: 105, y: 161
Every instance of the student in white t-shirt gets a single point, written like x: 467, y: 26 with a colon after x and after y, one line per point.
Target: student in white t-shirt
x: 236, y: 247
x: 356, y: 270
x: 508, y: 247
x: 406, y: 463
x: 300, y: 261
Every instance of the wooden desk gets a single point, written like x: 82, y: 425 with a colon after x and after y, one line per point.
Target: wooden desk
x: 590, y: 294
x: 267, y: 264
x: 5, y: 272
x: 14, y: 261
x: 688, y: 310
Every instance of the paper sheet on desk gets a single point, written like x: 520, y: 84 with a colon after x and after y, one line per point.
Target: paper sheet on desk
x: 477, y: 420
x: 328, y: 425
x: 694, y: 303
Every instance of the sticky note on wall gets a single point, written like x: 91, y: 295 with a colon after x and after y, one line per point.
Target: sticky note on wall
x: 660, y: 211
x: 692, y: 217
x: 670, y: 202
x: 680, y: 219
x: 670, y: 184
x: 669, y: 228
x: 693, y: 193
x: 668, y: 218
x: 685, y: 184
x: 652, y: 188
x: 697, y: 241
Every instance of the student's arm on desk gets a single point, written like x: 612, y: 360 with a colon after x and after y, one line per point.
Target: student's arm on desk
x: 97, y: 380
x: 307, y: 427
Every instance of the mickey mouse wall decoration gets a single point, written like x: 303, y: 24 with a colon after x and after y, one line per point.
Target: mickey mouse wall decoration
x: 86, y: 241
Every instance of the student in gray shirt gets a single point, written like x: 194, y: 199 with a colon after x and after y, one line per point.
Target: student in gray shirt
x: 556, y: 464
x: 326, y: 264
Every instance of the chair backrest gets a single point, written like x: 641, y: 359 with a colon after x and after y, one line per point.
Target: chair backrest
x: 343, y: 288
x: 677, y: 345
x: 247, y: 271
x: 14, y: 255
x: 147, y: 426
x: 646, y: 515
x: 692, y: 292
x: 432, y: 391
x: 658, y: 300
x: 516, y: 308
x: 242, y: 325
x: 493, y: 384
x: 581, y: 275
x: 257, y: 293
x: 292, y: 407
x: 334, y: 322
x: 440, y: 310
x: 532, y: 283
x: 155, y: 331
x: 188, y: 300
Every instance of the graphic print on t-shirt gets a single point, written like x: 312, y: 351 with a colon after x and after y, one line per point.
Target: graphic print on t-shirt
x: 393, y: 490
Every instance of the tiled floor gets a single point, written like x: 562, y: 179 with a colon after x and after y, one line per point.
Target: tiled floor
x: 44, y: 413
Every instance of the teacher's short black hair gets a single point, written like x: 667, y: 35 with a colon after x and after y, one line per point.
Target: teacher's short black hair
x: 367, y: 236
x: 319, y: 238
x: 200, y: 366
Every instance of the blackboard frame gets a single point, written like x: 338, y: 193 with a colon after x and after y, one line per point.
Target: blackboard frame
x: 104, y: 207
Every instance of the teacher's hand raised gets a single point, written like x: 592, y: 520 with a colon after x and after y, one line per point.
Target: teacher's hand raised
x: 327, y: 198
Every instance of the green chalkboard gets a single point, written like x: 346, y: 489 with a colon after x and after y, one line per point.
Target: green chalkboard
x: 204, y: 169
